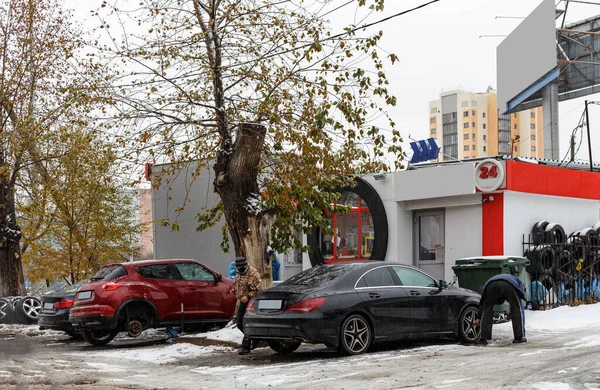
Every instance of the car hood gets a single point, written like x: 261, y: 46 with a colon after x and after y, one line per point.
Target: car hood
x: 465, y: 291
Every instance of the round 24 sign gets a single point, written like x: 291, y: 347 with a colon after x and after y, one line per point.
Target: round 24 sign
x: 489, y: 175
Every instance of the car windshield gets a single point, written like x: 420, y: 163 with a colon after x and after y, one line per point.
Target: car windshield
x: 110, y: 272
x: 318, y: 277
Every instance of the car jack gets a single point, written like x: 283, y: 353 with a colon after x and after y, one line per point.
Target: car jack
x: 173, y: 333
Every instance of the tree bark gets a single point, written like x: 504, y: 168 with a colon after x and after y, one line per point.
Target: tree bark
x: 11, y: 269
x: 236, y: 182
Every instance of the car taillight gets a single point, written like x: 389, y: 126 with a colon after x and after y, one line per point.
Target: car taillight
x: 306, y: 306
x: 110, y: 286
x: 64, y: 304
x: 250, y: 307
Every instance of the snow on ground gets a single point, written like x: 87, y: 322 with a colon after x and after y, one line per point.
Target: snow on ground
x: 156, y: 355
x: 229, y: 333
x: 29, y: 330
x: 559, y: 320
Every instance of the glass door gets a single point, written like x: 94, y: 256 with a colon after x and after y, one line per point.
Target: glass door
x: 428, y: 237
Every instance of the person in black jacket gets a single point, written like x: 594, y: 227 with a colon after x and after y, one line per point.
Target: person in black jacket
x: 497, y: 289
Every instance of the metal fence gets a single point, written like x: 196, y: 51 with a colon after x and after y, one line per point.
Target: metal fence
x: 564, y: 270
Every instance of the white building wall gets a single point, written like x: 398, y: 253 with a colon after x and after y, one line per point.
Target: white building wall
x: 522, y: 211
x: 463, y: 235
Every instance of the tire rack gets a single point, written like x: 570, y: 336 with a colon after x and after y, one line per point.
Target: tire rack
x: 557, y: 261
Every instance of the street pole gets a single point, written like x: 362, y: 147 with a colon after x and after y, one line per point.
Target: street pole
x: 587, y: 124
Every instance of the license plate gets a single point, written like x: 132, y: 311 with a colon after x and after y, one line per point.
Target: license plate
x: 269, y: 304
x: 49, y: 305
x: 84, y: 295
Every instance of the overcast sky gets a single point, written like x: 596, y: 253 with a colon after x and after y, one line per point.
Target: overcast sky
x: 440, y: 48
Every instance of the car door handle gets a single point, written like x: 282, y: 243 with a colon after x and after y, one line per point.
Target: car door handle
x: 191, y: 288
x: 374, y: 295
x: 414, y: 292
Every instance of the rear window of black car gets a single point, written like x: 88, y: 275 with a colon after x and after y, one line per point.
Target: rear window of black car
x: 158, y: 271
x: 111, y: 272
x: 319, y: 276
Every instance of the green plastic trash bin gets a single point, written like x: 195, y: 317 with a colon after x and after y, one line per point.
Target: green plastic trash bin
x: 473, y: 272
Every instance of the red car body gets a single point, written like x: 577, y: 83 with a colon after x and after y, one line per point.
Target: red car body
x: 147, y: 294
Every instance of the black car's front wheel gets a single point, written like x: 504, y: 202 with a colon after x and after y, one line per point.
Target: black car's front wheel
x: 467, y: 331
x: 283, y: 346
x: 355, y: 335
x: 99, y: 336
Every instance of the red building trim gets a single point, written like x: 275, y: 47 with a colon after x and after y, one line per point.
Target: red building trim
x: 492, y: 215
x: 545, y: 180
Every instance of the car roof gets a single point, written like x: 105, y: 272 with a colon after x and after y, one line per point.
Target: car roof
x: 152, y: 262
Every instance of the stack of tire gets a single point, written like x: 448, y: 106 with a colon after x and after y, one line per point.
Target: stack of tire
x: 19, y: 310
x: 554, y: 261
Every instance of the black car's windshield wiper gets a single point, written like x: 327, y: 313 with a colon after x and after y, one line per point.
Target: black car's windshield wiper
x: 96, y: 278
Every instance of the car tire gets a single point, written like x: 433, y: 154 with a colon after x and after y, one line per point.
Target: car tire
x: 27, y: 310
x: 467, y: 331
x: 99, y: 337
x: 283, y: 346
x: 7, y: 313
x: 355, y: 335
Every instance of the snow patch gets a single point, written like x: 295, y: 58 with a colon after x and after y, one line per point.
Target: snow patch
x: 230, y: 333
x: 104, y: 367
x: 156, y: 355
x: 589, y: 341
x: 551, y: 386
x: 537, y: 352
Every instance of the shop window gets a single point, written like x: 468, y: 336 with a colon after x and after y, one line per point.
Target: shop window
x: 354, y: 232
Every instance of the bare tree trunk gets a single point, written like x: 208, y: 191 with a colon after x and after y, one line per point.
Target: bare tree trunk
x: 236, y: 183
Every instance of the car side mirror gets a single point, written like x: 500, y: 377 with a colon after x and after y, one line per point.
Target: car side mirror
x: 442, y: 284
x: 219, y: 276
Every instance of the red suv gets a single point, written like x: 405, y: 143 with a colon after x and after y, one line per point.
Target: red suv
x: 139, y: 295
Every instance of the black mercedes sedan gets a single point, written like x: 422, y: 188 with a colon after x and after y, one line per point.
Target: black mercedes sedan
x: 351, y: 305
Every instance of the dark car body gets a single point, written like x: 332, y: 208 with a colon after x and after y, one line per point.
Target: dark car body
x: 144, y: 294
x: 376, y: 301
x: 56, y: 307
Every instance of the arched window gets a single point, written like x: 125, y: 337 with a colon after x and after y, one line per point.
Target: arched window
x: 354, y: 232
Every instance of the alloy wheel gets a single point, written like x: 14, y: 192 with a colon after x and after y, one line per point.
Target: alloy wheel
x: 469, y: 332
x: 356, y: 335
x: 5, y: 309
x: 31, y: 307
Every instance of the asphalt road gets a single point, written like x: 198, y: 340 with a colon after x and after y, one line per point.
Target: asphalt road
x: 38, y: 360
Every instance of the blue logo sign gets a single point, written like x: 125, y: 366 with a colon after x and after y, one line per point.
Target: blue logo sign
x: 424, y: 150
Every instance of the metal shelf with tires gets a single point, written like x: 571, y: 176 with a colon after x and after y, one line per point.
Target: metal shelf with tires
x: 19, y: 310
x: 564, y: 269
x: 474, y: 272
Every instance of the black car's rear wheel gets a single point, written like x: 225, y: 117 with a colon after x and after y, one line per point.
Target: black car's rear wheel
x: 355, y: 335
x: 467, y: 331
x: 99, y: 336
x: 283, y: 346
